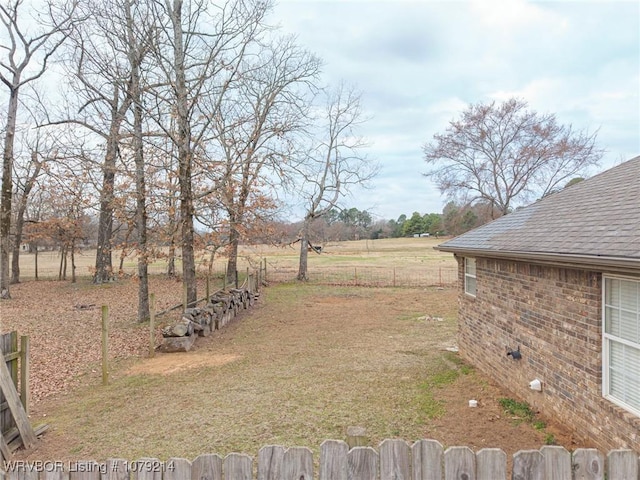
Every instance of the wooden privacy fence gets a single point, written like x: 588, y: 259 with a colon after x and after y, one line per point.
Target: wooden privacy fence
x: 16, y: 356
x: 395, y: 460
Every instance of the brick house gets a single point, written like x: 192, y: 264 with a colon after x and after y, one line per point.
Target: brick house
x: 560, y: 280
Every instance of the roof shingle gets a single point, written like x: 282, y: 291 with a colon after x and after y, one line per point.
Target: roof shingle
x: 597, y: 217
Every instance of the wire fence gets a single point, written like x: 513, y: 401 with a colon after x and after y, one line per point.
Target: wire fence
x: 370, y: 276
x: 409, y: 275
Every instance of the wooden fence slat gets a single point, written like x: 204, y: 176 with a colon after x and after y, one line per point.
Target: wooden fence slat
x: 238, y: 467
x: 459, y: 464
x: 623, y: 465
x: 4, y: 449
x: 557, y: 462
x: 270, y: 458
x: 54, y: 472
x: 395, y: 460
x: 116, y: 469
x: 21, y: 472
x: 362, y: 463
x: 10, y: 358
x: 528, y: 465
x: 427, y: 456
x: 84, y: 470
x: 146, y: 469
x: 297, y: 464
x: 588, y: 464
x: 333, y: 460
x: 176, y: 469
x: 15, y: 351
x: 207, y: 467
x: 15, y: 405
x: 491, y: 464
x: 25, y: 383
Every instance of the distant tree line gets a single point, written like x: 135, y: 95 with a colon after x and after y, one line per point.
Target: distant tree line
x: 354, y: 224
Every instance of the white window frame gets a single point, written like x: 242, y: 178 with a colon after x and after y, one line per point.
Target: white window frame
x: 608, y: 338
x: 468, y: 275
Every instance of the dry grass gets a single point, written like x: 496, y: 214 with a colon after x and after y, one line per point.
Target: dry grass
x: 297, y: 370
x: 306, y: 363
x: 407, y: 254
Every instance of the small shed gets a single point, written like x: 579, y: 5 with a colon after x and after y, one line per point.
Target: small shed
x: 558, y: 282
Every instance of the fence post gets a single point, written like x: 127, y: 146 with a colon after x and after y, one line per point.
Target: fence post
x: 24, y: 373
x: 355, y: 271
x: 14, y: 363
x: 105, y: 344
x: 440, y: 275
x: 152, y: 324
x: 236, y: 279
x: 259, y: 278
x: 208, y: 289
x: 394, y: 277
x: 224, y: 279
x: 265, y: 269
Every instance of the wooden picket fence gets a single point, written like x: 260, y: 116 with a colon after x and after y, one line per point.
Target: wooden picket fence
x: 394, y: 460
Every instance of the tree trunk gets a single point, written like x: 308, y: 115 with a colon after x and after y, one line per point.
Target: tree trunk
x: 62, y: 271
x: 17, y: 240
x: 73, y: 262
x: 22, y: 207
x: 171, y: 263
x: 104, y: 264
x: 304, y: 252
x: 234, y: 237
x: 7, y: 190
x: 184, y: 157
x: 141, y: 189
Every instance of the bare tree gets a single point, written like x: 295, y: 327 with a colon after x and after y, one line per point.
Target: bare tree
x: 40, y: 151
x: 139, y: 36
x: 505, y: 155
x: 100, y: 77
x: 199, y: 50
x: 26, y: 59
x: 334, y: 165
x: 267, y: 107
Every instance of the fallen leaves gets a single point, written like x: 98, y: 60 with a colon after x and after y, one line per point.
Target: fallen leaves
x: 64, y: 325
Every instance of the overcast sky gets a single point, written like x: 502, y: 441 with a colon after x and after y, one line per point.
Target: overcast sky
x: 420, y: 63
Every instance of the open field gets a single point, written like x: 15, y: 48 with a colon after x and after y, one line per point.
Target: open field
x: 306, y: 363
x: 384, y: 262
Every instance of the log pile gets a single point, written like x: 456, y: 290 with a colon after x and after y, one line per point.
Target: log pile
x: 220, y: 309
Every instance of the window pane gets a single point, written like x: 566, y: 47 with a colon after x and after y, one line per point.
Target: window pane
x: 622, y: 323
x: 632, y: 377
x: 629, y: 326
x: 616, y: 370
x: 612, y: 291
x: 624, y: 374
x: 612, y: 321
x: 470, y: 266
x: 470, y: 285
x: 629, y: 295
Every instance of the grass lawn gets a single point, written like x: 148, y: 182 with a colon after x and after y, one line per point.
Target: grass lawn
x: 307, y: 362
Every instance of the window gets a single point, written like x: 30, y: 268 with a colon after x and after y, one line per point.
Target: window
x: 621, y: 342
x: 470, y: 276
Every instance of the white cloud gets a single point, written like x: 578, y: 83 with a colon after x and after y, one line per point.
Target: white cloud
x: 420, y: 63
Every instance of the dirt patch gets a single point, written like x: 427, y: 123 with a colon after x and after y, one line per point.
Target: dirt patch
x: 166, y: 364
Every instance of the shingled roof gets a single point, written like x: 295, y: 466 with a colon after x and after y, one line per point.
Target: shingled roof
x: 594, y: 222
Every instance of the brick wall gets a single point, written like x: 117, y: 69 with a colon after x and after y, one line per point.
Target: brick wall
x: 554, y: 315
